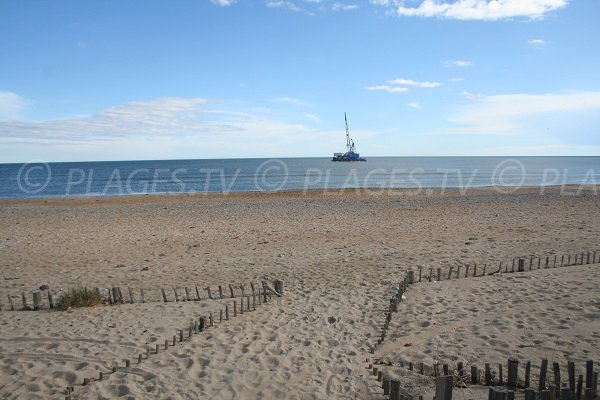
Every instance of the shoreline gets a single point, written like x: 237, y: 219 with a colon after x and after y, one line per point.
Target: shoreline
x: 417, y: 192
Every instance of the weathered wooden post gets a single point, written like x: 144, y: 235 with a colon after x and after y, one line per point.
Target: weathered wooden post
x: 466, y: 270
x: 474, y: 375
x: 278, y: 287
x: 439, y: 277
x: 450, y: 273
x: 164, y: 295
x: 488, y: 375
x: 420, y: 272
x: 50, y: 299
x: 37, y: 299
x: 589, y: 373
x: 197, y: 293
x: 209, y: 292
x: 527, y: 373
x: 443, y: 387
x: 430, y: 273
x: 411, y: 277
x: 176, y: 295
x: 571, y: 372
x: 556, y: 369
x: 529, y: 394
x: 457, y: 271
x: 521, y: 265
x: 579, y: 387
x: 231, y: 291
x: 513, y: 373
x: 394, y: 389
x: 543, y: 369
x: 116, y: 295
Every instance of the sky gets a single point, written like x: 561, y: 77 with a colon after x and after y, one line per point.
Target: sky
x: 193, y: 79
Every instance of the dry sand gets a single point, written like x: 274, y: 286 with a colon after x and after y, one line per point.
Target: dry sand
x: 338, y: 255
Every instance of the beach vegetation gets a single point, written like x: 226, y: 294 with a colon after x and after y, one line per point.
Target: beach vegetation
x: 78, y: 297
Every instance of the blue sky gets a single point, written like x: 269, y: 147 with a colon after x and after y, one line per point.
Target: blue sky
x: 224, y: 79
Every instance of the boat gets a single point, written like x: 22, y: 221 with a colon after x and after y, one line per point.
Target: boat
x: 350, y: 154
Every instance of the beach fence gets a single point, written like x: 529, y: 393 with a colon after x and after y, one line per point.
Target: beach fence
x: 198, y: 325
x: 572, y: 386
x: 517, y: 264
x: 45, y: 298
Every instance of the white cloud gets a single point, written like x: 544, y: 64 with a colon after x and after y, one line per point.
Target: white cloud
x: 408, y: 82
x: 415, y: 104
x: 343, y: 7
x: 457, y: 79
x: 513, y: 113
x: 312, y: 117
x: 539, y: 43
x: 11, y: 105
x: 283, y: 4
x: 481, y: 9
x: 223, y: 3
x: 388, y: 88
x: 457, y: 63
x: 292, y: 100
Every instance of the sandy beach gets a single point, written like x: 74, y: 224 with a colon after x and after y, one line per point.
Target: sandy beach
x: 340, y: 255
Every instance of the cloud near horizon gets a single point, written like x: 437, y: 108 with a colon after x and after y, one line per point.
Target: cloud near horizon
x: 489, y: 10
x: 512, y: 114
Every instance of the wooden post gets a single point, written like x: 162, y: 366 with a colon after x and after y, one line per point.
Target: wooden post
x: 410, y: 366
x: 174, y: 339
x: 450, y: 273
x: 530, y: 263
x: 500, y: 374
x: 543, y: 369
x: 220, y: 292
x: 539, y: 262
x: 562, y: 260
x: 411, y: 277
x: 430, y: 273
x: 461, y: 369
x: 589, y: 373
x: 226, y: 313
x: 181, y: 335
x: 24, y: 300
x: 242, y: 305
x: 37, y: 299
x: 187, y: 294
x: 176, y: 295
x: 140, y: 358
x: 231, y: 291
x: 247, y: 303
x: 474, y: 375
x: 143, y: 299
x: 581, y: 258
x: 565, y: 393
x: 521, y: 266
x: 556, y: 369
x: 484, y: 268
x: 166, y: 344
x: 475, y: 270
x: 197, y: 293
x: 546, y: 395
x: 130, y: 295
x: 546, y: 261
x: 420, y: 272
x: 209, y: 293
x: 579, y: 387
x: 513, y: 373
x: 595, y: 384
x: 457, y: 271
x: 235, y: 308
x: 221, y: 315
x: 127, y: 363
x: 467, y: 270
x: 512, y: 268
x: 395, y: 389
x: 571, y: 371
x: 50, y: 299
x: 527, y: 373
x: 201, y: 324
x: 443, y: 387
x: 157, y: 348
x: 445, y: 369
x: 488, y: 375
x: 116, y: 295
x: 379, y: 376
x: 554, y: 262
x: 386, y: 386
x: 164, y: 295
x: 569, y: 261
x: 529, y: 394
x: 439, y: 277
x: 278, y: 286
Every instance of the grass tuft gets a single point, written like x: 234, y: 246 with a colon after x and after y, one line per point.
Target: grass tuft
x: 79, y: 297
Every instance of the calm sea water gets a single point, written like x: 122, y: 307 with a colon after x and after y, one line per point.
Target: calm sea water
x: 243, y: 175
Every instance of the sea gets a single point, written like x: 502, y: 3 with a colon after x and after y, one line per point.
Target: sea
x: 118, y: 178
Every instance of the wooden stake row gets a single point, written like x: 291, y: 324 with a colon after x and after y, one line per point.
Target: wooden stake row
x: 520, y: 264
x: 114, y: 295
x: 196, y: 326
x: 393, y: 308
